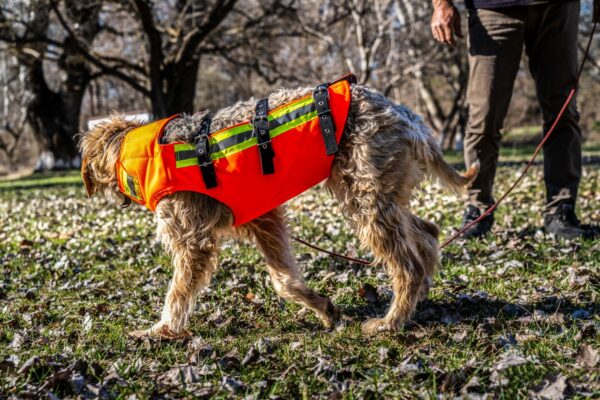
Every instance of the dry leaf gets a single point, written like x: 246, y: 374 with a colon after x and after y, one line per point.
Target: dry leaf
x: 586, y: 357
x: 553, y: 387
x: 369, y: 293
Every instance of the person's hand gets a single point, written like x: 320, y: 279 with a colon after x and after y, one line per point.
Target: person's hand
x: 596, y: 15
x: 445, y: 22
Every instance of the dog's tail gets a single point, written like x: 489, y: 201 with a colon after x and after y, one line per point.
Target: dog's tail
x: 438, y: 167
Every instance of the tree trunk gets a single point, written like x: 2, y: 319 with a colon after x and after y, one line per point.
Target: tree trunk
x: 54, y: 115
x: 180, y: 89
x: 157, y: 98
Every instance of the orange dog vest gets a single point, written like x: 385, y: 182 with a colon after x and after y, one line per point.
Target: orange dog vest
x: 147, y: 170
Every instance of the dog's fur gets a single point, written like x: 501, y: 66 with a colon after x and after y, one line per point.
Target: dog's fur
x: 385, y: 154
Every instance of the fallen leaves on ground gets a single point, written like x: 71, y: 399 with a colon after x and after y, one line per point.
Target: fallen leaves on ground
x: 515, y: 315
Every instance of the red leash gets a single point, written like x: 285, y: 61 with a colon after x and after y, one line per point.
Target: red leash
x: 331, y: 253
x: 510, y: 189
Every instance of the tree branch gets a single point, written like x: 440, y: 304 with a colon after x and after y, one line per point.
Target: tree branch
x: 193, y: 39
x: 83, y: 51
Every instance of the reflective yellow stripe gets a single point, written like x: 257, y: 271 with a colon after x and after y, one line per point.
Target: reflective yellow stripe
x: 184, y: 146
x: 222, y: 135
x: 244, y: 128
x: 292, y: 124
x: 235, y: 149
x: 274, y: 133
x: 124, y: 182
x: 290, y: 107
x: 126, y: 179
x: 187, y: 162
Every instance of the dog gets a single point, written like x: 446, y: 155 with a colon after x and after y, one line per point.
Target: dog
x: 385, y: 153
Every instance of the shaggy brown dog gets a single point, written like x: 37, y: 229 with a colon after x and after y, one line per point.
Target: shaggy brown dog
x: 385, y: 154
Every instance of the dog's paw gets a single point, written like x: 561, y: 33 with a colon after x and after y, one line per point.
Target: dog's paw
x: 375, y: 325
x: 424, y: 289
x: 331, y: 316
x: 160, y: 331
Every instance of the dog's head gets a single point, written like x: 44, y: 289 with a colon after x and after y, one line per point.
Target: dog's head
x: 99, y: 153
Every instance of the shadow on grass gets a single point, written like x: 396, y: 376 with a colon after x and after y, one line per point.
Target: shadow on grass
x: 469, y: 309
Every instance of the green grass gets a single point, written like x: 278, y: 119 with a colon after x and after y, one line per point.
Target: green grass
x: 43, y: 179
x: 521, y: 153
x: 78, y: 273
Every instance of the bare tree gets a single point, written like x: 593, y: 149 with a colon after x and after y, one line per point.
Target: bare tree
x: 386, y: 43
x: 52, y: 105
x: 175, y: 36
x: 157, y: 52
x: 174, y: 50
x: 170, y: 56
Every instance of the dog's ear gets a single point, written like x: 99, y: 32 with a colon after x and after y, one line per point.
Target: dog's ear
x: 86, y: 174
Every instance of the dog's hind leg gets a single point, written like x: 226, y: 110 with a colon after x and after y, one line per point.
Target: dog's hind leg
x: 271, y: 236
x: 390, y: 234
x: 427, y: 245
x: 386, y: 226
x: 186, y: 226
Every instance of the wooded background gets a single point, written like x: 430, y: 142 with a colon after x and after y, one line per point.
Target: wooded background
x: 63, y: 62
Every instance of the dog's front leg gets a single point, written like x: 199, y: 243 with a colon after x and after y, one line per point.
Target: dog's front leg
x: 270, y: 233
x: 190, y: 238
x: 192, y: 272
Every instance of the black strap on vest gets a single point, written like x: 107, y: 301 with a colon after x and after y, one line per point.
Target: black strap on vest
x: 261, y: 131
x: 203, y: 152
x: 321, y: 98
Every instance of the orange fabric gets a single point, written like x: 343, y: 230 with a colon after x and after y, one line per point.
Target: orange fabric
x: 300, y: 163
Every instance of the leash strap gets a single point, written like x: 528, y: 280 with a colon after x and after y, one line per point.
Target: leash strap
x: 321, y: 98
x: 331, y: 253
x: 203, y: 153
x: 261, y: 131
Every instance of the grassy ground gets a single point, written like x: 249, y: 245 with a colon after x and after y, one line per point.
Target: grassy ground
x: 514, y: 316
x: 516, y: 153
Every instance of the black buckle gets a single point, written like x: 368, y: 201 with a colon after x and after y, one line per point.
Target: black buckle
x: 258, y: 118
x: 201, y: 140
x: 323, y: 87
x: 260, y: 122
x: 261, y: 128
x: 321, y: 99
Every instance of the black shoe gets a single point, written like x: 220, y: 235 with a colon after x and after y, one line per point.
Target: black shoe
x: 563, y: 223
x: 479, y: 229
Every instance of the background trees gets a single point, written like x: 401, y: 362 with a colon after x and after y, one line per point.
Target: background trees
x: 52, y: 76
x: 62, y: 61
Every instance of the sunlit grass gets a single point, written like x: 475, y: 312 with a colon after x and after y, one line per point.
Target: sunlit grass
x: 77, y: 274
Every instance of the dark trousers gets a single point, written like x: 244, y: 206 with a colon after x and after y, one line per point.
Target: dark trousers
x: 496, y: 39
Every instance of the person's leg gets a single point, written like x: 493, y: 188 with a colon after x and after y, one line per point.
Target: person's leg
x: 495, y: 47
x: 551, y: 44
